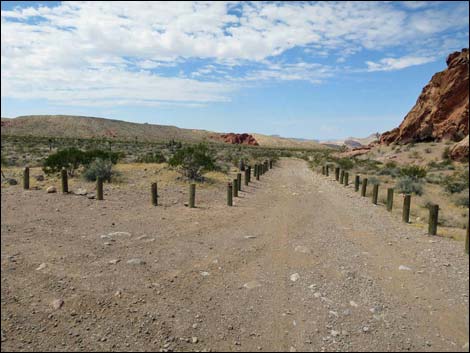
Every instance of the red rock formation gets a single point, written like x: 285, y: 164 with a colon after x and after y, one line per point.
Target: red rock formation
x: 239, y: 139
x: 459, y: 152
x: 441, y: 111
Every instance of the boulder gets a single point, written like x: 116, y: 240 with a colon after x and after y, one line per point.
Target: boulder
x: 459, y: 152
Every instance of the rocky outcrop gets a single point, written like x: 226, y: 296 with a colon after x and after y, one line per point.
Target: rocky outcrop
x: 239, y: 139
x: 459, y: 152
x: 441, y: 111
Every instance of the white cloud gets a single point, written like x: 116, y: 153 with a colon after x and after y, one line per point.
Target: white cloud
x: 107, y: 50
x: 391, y: 64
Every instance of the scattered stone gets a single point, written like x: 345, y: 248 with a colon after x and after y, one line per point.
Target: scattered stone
x: 205, y: 274
x: 365, y: 329
x: 10, y: 181
x: 194, y: 340
x: 57, y: 304
x: 334, y: 333
x: 302, y: 249
x: 114, y: 261
x: 51, y: 189
x: 404, y: 268
x: 80, y: 191
x: 294, y: 277
x: 250, y: 237
x: 353, y: 304
x: 119, y: 234
x: 252, y: 285
x: 136, y: 262
x: 41, y: 267
x: 39, y: 177
x: 91, y: 196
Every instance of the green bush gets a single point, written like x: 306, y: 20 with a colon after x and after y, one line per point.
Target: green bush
x: 72, y: 158
x: 345, y: 163
x: 155, y: 157
x: 69, y: 158
x: 413, y: 171
x: 373, y: 181
x: 99, y: 168
x: 462, y: 200
x: 456, y: 182
x: 446, y: 153
x: 409, y: 185
x: 193, y: 160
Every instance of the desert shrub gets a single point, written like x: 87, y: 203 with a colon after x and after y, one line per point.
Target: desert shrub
x: 456, y: 182
x: 373, y: 181
x: 446, y: 153
x: 434, y: 178
x: 409, y: 185
x: 462, y: 200
x: 69, y: 158
x: 345, y: 163
x: 413, y: 171
x: 91, y: 155
x: 193, y: 160
x: 415, y: 155
x: 155, y: 157
x: 99, y: 168
x: 428, y: 150
x: 72, y: 158
x: 391, y: 169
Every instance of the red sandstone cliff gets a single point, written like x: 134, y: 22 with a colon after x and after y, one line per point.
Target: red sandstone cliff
x: 441, y: 111
x: 239, y: 139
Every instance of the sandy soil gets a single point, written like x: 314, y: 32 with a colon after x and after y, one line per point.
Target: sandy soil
x: 299, y: 263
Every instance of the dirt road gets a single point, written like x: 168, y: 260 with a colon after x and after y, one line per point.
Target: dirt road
x: 299, y: 263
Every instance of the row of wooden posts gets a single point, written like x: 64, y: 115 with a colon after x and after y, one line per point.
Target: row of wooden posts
x: 232, y: 188
x: 342, y: 177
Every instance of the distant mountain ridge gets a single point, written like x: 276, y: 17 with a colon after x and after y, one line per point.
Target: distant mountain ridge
x: 94, y: 127
x: 354, y: 142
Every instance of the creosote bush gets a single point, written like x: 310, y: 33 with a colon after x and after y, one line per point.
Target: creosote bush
x: 152, y: 157
x: 193, y: 161
x: 72, y: 158
x: 409, y: 185
x: 99, y: 168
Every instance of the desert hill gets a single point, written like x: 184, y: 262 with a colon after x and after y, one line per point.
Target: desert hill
x: 93, y: 127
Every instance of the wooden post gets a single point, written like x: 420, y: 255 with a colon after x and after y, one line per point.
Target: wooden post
x: 99, y: 188
x: 341, y: 177
x: 192, y: 195
x: 346, y: 178
x: 327, y: 170
x: 249, y: 173
x: 364, y: 187
x: 229, y: 194
x: 235, y: 187
x: 239, y: 181
x: 356, y: 183
x: 406, y: 208
x: 336, y: 173
x: 65, y: 181
x: 153, y: 189
x: 246, y: 177
x: 270, y: 164
x: 323, y: 170
x: 257, y: 171
x: 26, y: 178
x: 375, y: 194
x: 241, y: 165
x: 433, y: 216
x: 389, y: 199
x: 466, y: 237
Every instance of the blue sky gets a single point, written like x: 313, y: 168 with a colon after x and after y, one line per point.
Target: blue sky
x: 318, y: 70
